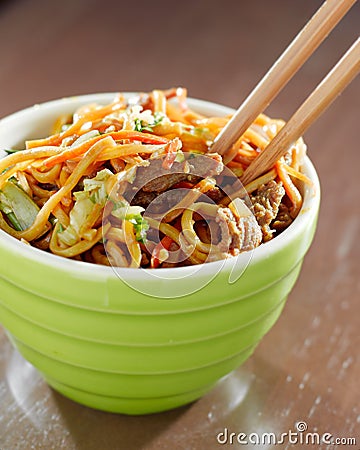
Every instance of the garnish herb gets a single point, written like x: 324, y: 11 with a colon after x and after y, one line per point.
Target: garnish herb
x: 140, y: 125
x: 140, y: 225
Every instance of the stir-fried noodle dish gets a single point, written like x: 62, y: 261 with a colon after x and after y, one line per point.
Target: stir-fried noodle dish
x: 135, y: 184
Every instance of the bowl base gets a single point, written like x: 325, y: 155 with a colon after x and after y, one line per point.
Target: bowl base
x: 128, y: 406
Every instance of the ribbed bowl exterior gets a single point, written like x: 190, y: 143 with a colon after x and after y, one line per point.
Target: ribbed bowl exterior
x: 139, y: 362
x: 102, y: 343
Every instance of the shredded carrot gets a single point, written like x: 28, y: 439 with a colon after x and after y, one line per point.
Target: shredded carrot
x: 164, y: 244
x: 246, y: 153
x: 56, y: 139
x: 290, y: 189
x: 171, y: 153
x: 79, y: 150
x: 296, y: 174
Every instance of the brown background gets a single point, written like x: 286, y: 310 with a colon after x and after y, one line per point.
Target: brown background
x: 307, y: 368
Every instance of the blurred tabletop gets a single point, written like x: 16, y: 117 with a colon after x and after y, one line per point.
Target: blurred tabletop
x: 306, y: 370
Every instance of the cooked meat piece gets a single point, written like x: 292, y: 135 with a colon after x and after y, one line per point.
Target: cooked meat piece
x: 43, y: 243
x: 162, y: 202
x: 215, y: 194
x: 206, y: 165
x: 283, y: 218
x: 142, y: 198
x: 164, y: 182
x: 145, y: 262
x: 266, y: 203
x: 238, y: 234
x: 154, y: 178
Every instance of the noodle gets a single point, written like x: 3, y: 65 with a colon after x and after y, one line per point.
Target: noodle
x: 46, y: 177
x: 189, y: 232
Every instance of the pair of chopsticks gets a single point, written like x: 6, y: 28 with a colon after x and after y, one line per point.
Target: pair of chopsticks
x: 300, y: 49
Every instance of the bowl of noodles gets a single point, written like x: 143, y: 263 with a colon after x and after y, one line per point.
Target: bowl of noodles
x: 135, y: 268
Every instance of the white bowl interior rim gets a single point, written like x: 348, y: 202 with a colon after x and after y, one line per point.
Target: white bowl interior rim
x: 265, y: 250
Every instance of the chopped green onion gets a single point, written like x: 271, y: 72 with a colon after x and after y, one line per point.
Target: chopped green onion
x: 140, y: 225
x: 14, y: 222
x: 140, y: 125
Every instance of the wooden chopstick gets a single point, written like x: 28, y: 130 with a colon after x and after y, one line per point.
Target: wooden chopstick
x: 300, y: 49
x: 324, y: 94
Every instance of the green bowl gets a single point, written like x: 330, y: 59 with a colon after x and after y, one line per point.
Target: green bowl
x: 137, y: 341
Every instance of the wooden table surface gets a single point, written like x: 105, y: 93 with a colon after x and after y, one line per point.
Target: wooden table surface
x: 307, y: 368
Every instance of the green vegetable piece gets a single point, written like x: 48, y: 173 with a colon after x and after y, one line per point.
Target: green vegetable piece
x: 141, y: 126
x: 14, y: 222
x: 141, y: 226
x: 19, y: 208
